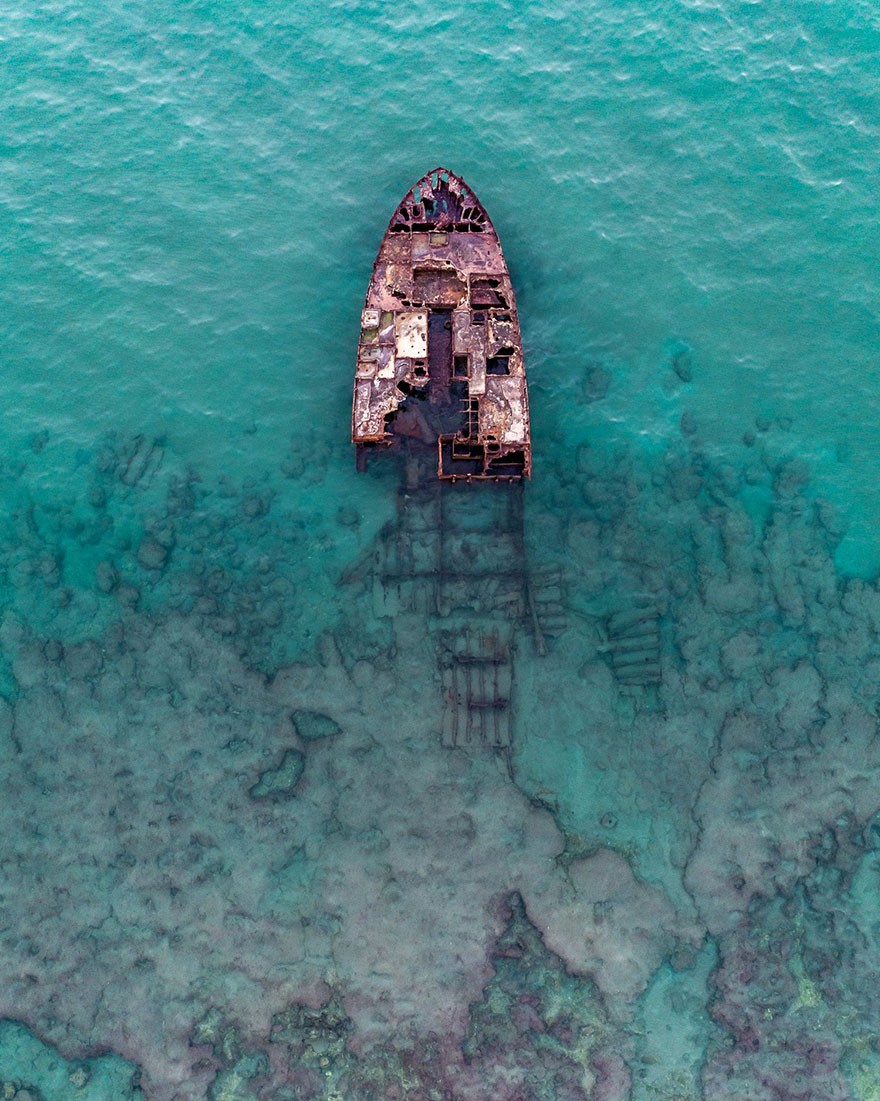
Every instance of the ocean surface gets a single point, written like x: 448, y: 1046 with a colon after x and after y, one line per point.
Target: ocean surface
x: 236, y: 859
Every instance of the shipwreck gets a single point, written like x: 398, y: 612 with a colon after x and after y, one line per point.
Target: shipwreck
x: 440, y: 370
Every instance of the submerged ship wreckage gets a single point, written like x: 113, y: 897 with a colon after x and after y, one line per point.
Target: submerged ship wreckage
x: 440, y: 381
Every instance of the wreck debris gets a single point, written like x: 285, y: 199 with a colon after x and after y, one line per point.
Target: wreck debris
x: 634, y: 646
x: 477, y: 675
x: 453, y: 563
x: 140, y: 462
x: 454, y: 556
x: 546, y: 607
x: 452, y: 551
x: 440, y: 363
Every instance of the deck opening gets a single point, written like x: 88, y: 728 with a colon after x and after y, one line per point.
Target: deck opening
x: 440, y: 347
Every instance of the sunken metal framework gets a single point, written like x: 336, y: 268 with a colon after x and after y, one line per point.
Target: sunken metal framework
x: 440, y: 363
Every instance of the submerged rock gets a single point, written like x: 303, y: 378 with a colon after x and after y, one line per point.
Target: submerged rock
x: 682, y: 363
x: 596, y: 384
x: 152, y: 555
x: 129, y: 596
x: 208, y: 1029
x: 106, y: 577
x: 279, y: 782
x: 234, y: 1083
x: 314, y: 1043
x: 79, y: 1077
x: 538, y: 1018
x: 312, y: 725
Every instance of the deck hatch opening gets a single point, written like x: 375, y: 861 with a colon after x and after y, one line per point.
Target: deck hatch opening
x: 498, y: 365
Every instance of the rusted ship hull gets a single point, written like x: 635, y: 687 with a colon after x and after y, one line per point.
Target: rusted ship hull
x: 440, y: 367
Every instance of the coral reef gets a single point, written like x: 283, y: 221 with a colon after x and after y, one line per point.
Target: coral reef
x: 238, y: 856
x: 278, y: 782
x: 538, y: 1029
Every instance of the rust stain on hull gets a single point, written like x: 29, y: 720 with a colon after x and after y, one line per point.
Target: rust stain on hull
x: 440, y: 365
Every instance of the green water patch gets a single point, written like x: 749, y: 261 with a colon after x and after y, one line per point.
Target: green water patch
x: 673, y: 1029
x: 31, y: 1070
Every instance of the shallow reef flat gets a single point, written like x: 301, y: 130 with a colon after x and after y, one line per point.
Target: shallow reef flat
x: 240, y: 862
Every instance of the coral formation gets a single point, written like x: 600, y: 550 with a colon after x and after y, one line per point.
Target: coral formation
x: 239, y: 856
x: 278, y: 782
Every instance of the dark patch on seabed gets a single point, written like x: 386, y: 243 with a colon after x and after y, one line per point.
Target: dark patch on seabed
x: 647, y: 868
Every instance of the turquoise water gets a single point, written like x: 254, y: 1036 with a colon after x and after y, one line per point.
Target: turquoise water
x: 206, y: 892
